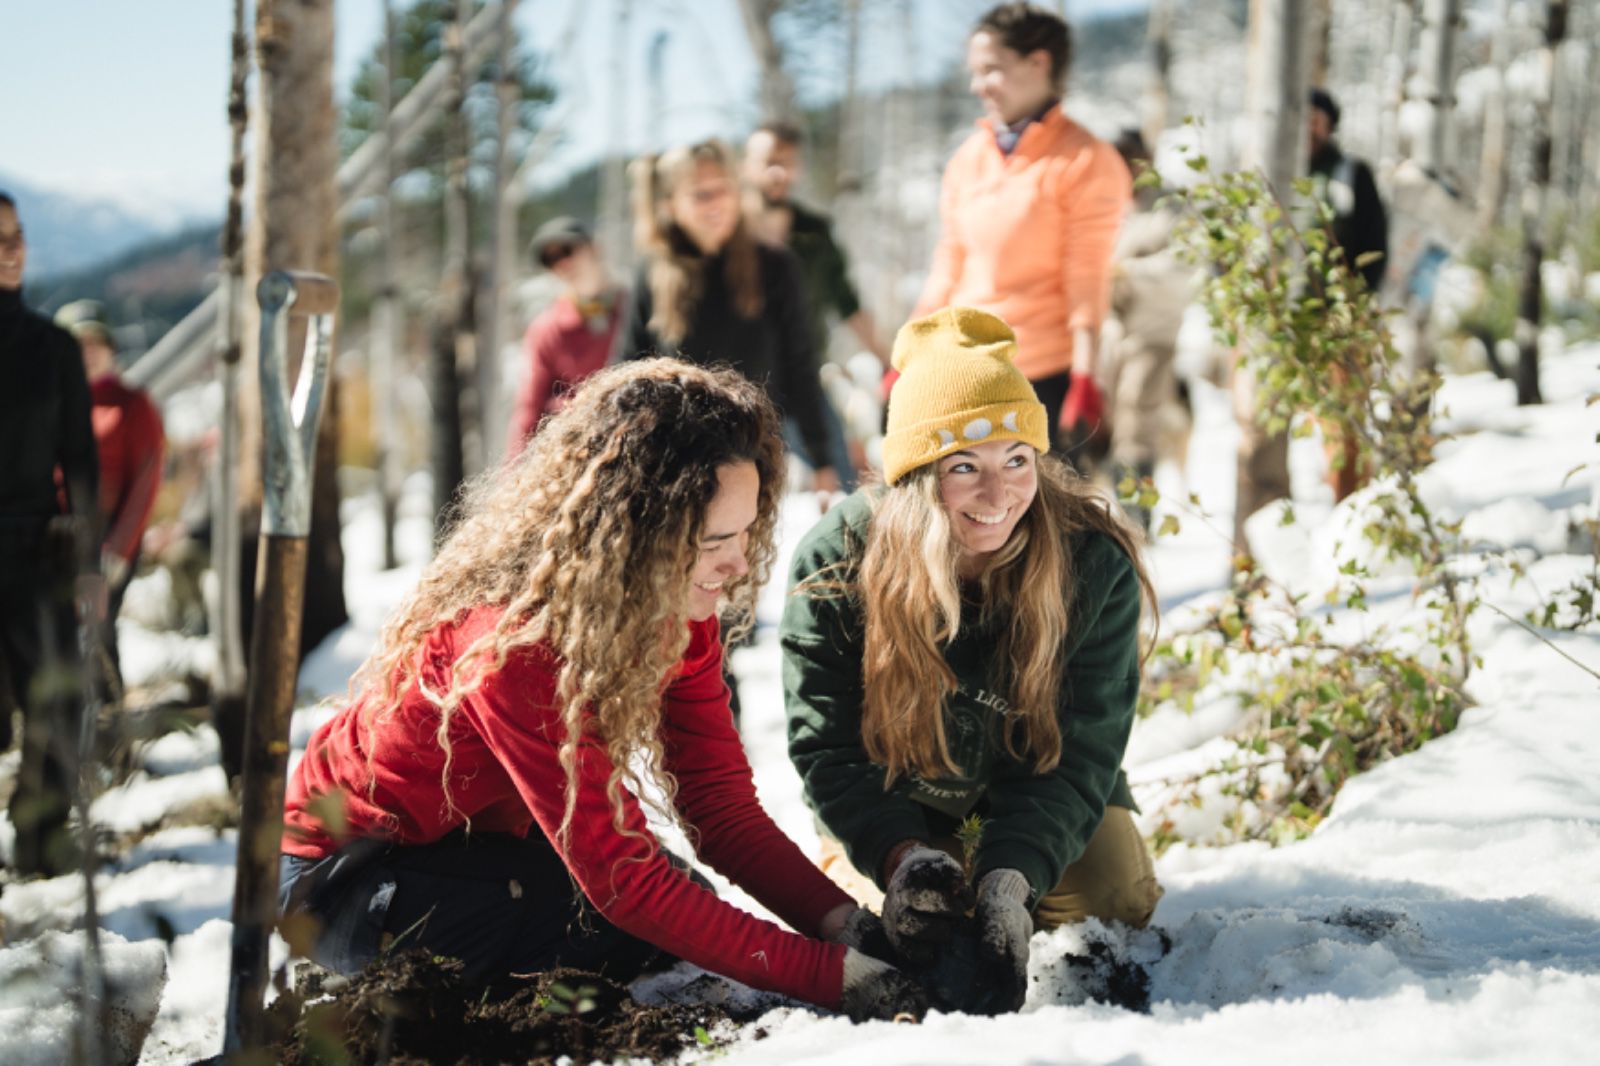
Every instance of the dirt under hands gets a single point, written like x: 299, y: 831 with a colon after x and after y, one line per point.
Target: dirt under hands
x: 414, y: 1008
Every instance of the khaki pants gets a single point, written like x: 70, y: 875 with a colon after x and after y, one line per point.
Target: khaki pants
x: 1263, y: 467
x: 1114, y: 880
x: 1141, y: 392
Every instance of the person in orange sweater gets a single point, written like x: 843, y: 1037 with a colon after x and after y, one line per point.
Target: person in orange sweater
x: 131, y: 442
x: 557, y: 669
x: 1030, y: 207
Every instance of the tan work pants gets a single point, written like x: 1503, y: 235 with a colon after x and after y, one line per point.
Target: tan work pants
x: 1114, y: 880
x: 1263, y: 464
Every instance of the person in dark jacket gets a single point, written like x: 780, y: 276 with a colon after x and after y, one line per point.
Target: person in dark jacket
x: 46, y: 555
x: 557, y: 667
x: 1361, y: 229
x: 772, y: 165
x: 709, y: 292
x: 964, y: 642
x: 1345, y: 183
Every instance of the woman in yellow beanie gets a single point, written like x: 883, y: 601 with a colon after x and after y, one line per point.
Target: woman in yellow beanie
x: 964, y: 642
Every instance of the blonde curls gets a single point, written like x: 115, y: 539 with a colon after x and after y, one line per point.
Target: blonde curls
x: 587, y: 541
x: 676, y: 268
x: 911, y: 613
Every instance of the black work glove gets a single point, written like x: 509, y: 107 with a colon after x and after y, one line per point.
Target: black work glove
x: 928, y: 896
x: 1004, y: 929
x: 873, y: 989
x: 864, y: 931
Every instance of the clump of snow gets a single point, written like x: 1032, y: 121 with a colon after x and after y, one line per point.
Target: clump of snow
x: 41, y: 982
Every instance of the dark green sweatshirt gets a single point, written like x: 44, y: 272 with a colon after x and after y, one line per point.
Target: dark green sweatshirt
x: 1036, y: 823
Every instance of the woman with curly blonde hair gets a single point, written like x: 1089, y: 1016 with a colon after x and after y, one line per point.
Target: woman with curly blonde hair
x: 557, y: 665
x: 964, y: 642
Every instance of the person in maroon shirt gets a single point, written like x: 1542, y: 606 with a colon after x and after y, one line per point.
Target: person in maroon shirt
x: 574, y: 336
x: 131, y: 443
x: 557, y: 668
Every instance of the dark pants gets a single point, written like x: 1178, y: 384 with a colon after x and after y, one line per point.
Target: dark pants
x: 108, y: 629
x: 501, y: 904
x: 838, y: 455
x: 39, y: 668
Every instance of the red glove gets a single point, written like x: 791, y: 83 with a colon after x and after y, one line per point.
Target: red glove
x: 1084, y: 404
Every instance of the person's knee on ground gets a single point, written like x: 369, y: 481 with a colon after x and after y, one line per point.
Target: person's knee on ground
x: 1114, y: 881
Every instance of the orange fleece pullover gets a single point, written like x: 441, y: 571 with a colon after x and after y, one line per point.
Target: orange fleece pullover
x: 1029, y: 236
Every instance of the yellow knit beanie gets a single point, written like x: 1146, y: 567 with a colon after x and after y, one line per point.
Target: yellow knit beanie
x: 957, y: 387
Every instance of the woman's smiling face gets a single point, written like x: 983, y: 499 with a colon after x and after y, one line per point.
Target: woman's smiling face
x: 986, y: 489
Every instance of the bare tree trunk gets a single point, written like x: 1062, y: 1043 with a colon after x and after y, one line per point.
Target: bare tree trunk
x: 386, y: 310
x: 1275, y: 94
x: 777, y: 90
x: 1586, y: 153
x: 1436, y: 65
x: 502, y: 245
x: 1320, y: 61
x: 847, y: 155
x: 228, y: 684
x: 1398, y: 67
x: 1569, y: 120
x: 1492, y: 164
x: 448, y: 451
x: 1276, y: 90
x: 612, y: 210
x: 1534, y: 197
x: 294, y: 226
x: 1158, y: 90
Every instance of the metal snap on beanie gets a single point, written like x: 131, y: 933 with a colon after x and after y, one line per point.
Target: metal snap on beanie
x: 958, y: 387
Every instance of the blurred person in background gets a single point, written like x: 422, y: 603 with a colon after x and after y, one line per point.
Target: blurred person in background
x: 131, y: 445
x: 774, y: 160
x: 1151, y: 287
x: 1361, y: 229
x: 1029, y: 209
x: 47, y: 557
x: 575, y: 335
x: 708, y: 291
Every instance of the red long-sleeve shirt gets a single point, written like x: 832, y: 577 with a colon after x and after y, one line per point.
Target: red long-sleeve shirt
x: 129, y: 437
x: 505, y: 777
x: 562, y: 346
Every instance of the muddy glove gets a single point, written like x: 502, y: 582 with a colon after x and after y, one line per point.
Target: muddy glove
x: 862, y: 930
x: 1004, y: 928
x: 875, y: 990
x: 928, y: 896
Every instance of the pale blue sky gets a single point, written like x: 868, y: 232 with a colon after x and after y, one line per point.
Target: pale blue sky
x: 126, y: 98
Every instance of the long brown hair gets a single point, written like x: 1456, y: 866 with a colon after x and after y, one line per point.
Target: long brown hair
x: 676, y: 267
x: 913, y: 611
x: 587, y: 540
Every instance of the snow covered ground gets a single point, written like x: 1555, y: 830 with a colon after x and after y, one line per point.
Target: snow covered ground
x: 1447, y: 911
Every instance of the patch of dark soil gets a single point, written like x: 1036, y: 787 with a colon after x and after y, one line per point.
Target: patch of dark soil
x: 1371, y: 922
x: 415, y: 1008
x: 1114, y: 972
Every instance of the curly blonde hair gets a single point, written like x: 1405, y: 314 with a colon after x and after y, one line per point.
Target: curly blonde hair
x: 676, y: 271
x: 913, y: 611
x: 587, y: 540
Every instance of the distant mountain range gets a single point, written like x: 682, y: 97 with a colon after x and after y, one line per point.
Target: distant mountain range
x: 68, y: 233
